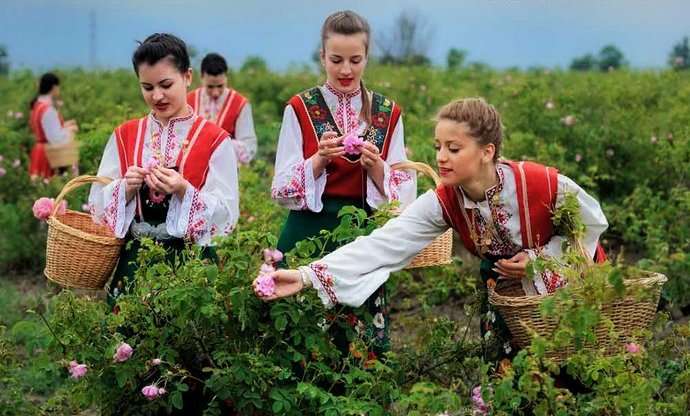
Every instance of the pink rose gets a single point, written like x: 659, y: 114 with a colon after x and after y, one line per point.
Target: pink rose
x: 633, y: 348
x: 272, y: 256
x: 151, y: 392
x: 156, y: 361
x: 76, y: 370
x: 3, y: 172
x: 550, y: 105
x: 569, y: 120
x: 18, y: 115
x: 353, y: 143
x: 478, y: 405
x: 16, y: 163
x: 123, y: 352
x: 265, y: 285
x: 42, y: 208
x: 162, y: 391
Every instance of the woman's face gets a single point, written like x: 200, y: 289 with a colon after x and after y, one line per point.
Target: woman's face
x: 164, y: 88
x: 344, y: 58
x: 458, y: 154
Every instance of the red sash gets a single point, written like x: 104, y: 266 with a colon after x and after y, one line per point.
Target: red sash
x: 229, y: 111
x: 346, y: 177
x: 537, y: 188
x: 202, y: 140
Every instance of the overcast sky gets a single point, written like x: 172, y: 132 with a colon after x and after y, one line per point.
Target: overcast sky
x: 42, y: 34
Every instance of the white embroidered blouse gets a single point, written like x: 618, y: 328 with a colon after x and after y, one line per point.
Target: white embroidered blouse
x: 353, y: 272
x: 294, y: 185
x: 201, y: 215
x: 245, y: 142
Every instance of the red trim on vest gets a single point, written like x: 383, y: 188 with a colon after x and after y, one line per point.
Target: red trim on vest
x: 537, y: 188
x: 37, y: 112
x: 229, y: 111
x: 204, y: 138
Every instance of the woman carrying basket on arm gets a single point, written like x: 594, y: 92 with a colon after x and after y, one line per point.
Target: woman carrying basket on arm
x: 47, y: 125
x: 175, y: 174
x: 501, y: 209
x: 336, y: 147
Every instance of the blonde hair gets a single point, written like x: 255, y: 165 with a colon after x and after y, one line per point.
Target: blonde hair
x: 482, y: 119
x: 347, y: 22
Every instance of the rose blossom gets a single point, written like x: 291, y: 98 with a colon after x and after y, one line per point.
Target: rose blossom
x: 123, y: 353
x: 265, y: 285
x: 76, y: 370
x: 353, y: 143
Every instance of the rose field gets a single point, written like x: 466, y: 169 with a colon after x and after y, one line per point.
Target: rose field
x: 196, y: 326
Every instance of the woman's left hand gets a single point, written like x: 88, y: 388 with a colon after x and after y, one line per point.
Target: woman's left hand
x: 167, y: 181
x: 370, y: 156
x: 513, y: 267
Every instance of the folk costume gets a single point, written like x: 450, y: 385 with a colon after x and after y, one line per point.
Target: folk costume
x: 314, y: 202
x: 47, y: 125
x: 197, y: 149
x: 233, y: 113
x: 515, y: 216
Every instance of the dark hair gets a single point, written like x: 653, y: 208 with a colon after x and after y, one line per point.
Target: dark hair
x: 161, y: 46
x: 213, y: 64
x: 347, y: 22
x: 45, y: 85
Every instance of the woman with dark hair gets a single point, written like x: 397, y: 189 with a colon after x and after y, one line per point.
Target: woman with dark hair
x: 336, y: 147
x: 175, y: 173
x: 47, y: 125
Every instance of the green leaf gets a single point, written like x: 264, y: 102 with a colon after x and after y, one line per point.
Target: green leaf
x: 176, y: 399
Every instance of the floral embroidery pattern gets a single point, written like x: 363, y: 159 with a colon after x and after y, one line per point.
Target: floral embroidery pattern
x: 380, y: 120
x: 396, y: 179
x: 326, y: 279
x: 552, y: 281
x: 197, y: 224
x: 345, y: 115
x: 294, y: 188
x: 501, y: 243
x: 110, y: 212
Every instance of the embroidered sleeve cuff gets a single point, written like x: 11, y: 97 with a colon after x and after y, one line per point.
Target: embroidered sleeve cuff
x: 187, y: 216
x: 301, y: 191
x: 118, y: 215
x: 323, y: 282
x: 393, y: 181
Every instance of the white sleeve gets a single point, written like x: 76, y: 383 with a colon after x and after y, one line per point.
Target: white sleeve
x: 590, y: 212
x: 212, y: 210
x: 245, y: 136
x: 54, y: 131
x: 294, y: 185
x: 398, y: 185
x: 350, y: 274
x: 595, y: 224
x: 107, y: 203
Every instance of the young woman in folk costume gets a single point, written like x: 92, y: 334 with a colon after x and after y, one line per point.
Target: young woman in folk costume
x: 501, y: 209
x: 47, y: 125
x: 229, y: 109
x: 175, y: 173
x: 315, y: 177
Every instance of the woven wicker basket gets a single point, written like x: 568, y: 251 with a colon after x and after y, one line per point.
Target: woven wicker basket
x: 62, y: 155
x: 628, y: 315
x: 441, y: 249
x: 80, y: 253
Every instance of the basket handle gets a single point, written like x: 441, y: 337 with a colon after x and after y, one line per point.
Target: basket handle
x: 419, y: 167
x: 76, y: 183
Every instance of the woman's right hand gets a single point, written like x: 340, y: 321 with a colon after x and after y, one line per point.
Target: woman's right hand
x: 134, y: 178
x: 287, y: 283
x: 330, y: 147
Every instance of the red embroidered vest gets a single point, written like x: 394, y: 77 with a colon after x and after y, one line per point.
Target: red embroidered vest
x: 537, y: 188
x: 202, y: 140
x: 229, y: 111
x: 37, y: 112
x: 346, y: 177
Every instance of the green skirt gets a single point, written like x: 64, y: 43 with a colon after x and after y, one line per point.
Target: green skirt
x: 369, y: 322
